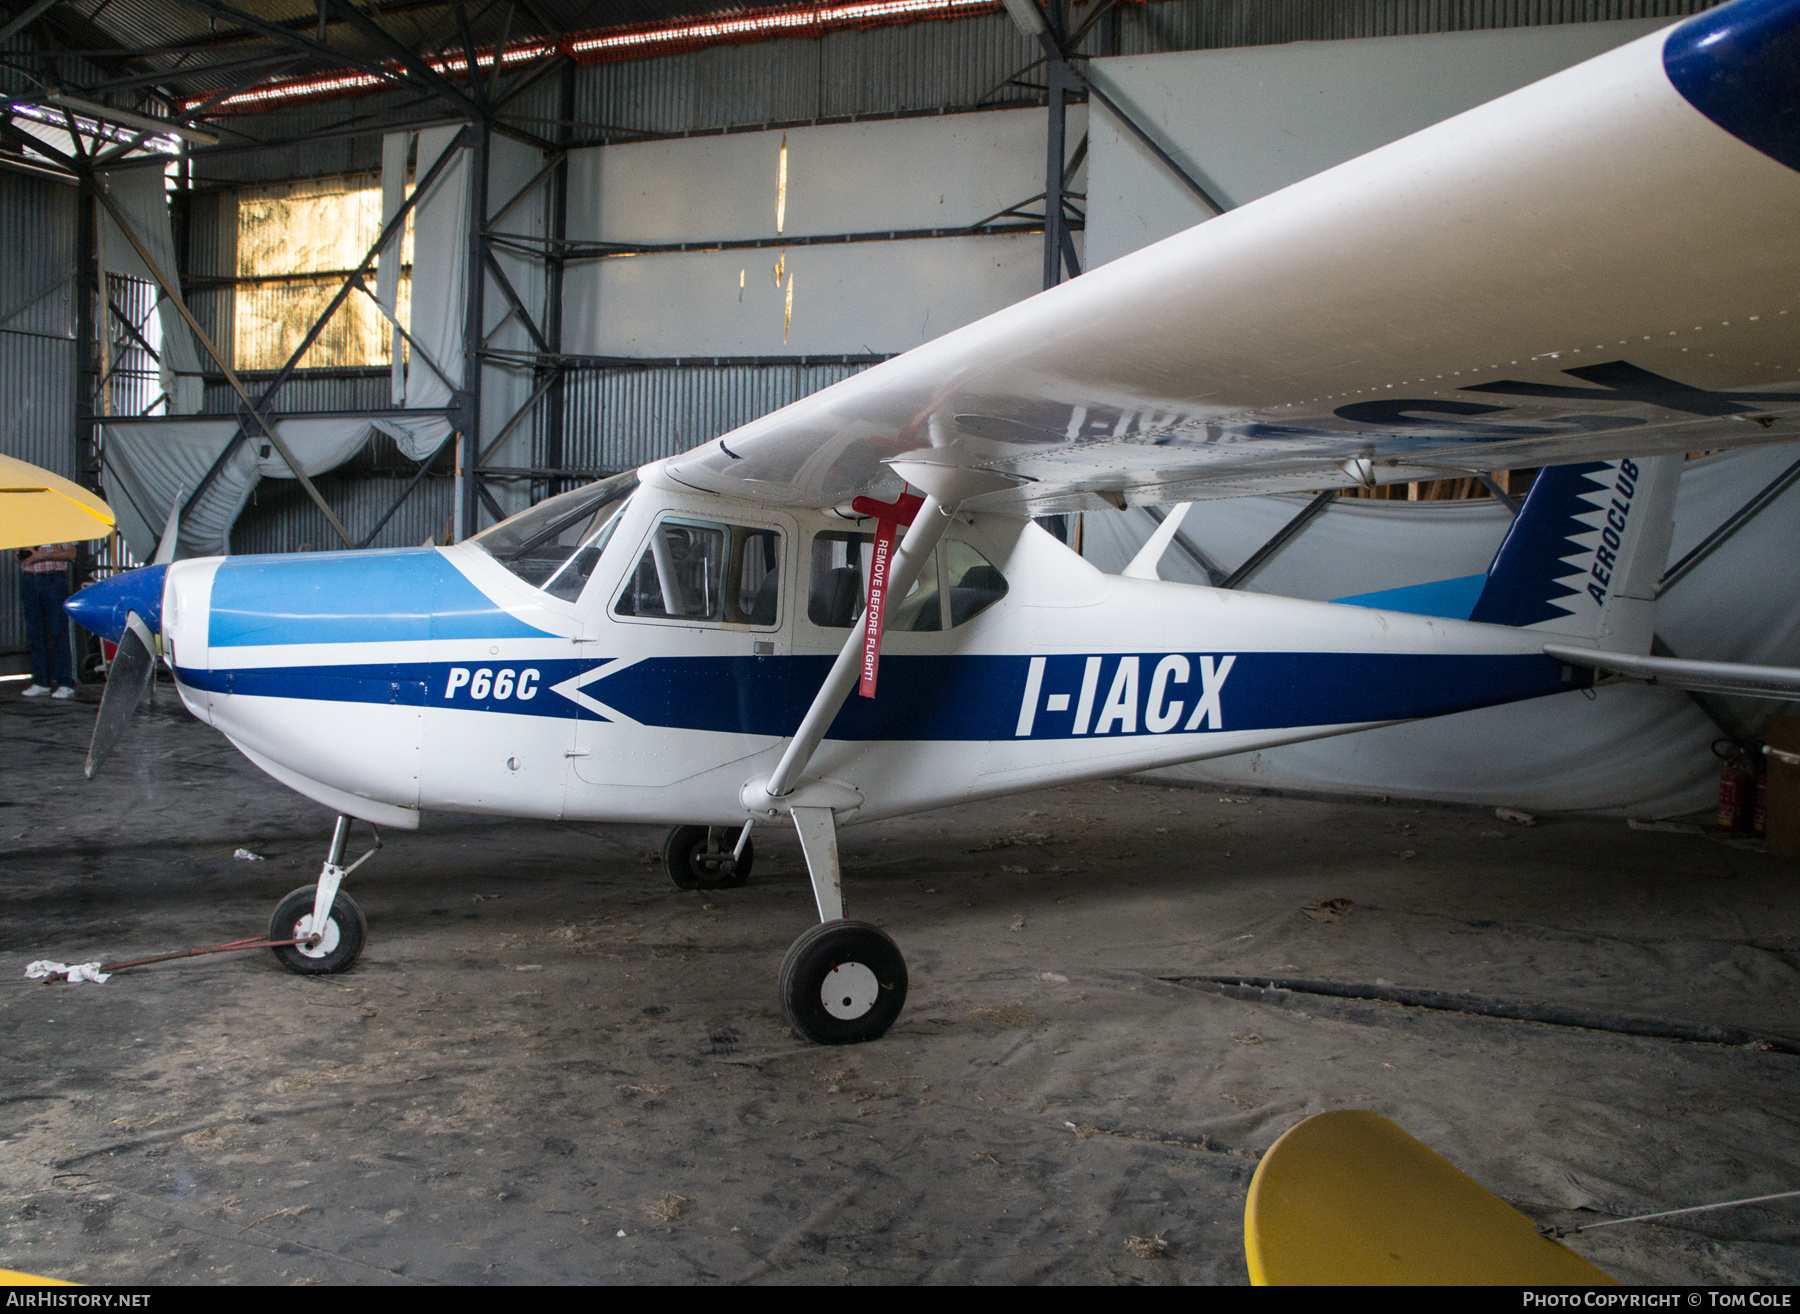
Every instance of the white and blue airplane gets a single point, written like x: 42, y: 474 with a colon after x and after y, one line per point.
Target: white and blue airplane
x: 1596, y: 274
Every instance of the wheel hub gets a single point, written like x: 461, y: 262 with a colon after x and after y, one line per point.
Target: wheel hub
x: 849, y: 991
x: 327, y: 942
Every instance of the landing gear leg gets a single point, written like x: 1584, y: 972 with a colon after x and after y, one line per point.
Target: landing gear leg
x: 708, y: 857
x: 842, y: 981
x: 323, y: 919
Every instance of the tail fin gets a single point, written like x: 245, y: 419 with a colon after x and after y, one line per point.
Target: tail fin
x: 1585, y: 553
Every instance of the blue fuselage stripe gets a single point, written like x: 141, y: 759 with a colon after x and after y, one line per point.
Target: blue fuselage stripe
x: 968, y: 698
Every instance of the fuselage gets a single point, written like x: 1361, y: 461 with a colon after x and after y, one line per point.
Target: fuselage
x: 386, y: 683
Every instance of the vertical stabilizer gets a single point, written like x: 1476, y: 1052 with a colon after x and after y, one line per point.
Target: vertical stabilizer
x: 1585, y: 553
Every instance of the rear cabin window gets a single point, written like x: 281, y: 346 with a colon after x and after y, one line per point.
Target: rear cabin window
x: 957, y: 584
x: 701, y: 571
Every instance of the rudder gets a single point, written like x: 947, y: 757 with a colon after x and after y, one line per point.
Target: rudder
x: 1585, y: 553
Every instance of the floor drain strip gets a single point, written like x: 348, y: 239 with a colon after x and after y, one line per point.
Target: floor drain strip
x: 1266, y: 989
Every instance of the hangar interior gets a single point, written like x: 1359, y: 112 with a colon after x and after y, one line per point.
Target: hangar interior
x: 310, y: 275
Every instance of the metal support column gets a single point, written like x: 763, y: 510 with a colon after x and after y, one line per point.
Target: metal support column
x: 468, y: 490
x: 1062, y: 80
x: 1055, y: 154
x: 551, y: 447
x: 88, y: 282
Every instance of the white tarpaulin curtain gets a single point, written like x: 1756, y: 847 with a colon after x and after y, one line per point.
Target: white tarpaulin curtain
x: 143, y: 199
x: 150, y: 463
x: 1631, y: 749
x: 440, y: 261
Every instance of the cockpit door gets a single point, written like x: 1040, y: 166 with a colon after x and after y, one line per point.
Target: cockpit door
x: 691, y: 646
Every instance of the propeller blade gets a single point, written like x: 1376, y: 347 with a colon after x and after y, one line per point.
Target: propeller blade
x: 165, y: 546
x: 134, y: 666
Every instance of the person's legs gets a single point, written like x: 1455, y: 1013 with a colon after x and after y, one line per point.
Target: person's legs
x: 36, y: 627
x: 56, y: 593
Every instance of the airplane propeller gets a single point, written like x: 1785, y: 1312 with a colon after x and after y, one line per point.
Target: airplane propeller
x: 126, y: 610
x: 133, y: 667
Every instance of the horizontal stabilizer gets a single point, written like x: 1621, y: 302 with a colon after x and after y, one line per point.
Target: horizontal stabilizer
x: 1703, y: 677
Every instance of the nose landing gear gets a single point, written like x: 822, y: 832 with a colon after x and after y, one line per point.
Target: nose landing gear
x: 336, y: 950
x: 324, y: 922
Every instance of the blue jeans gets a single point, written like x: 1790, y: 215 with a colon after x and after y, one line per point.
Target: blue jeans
x: 47, y: 625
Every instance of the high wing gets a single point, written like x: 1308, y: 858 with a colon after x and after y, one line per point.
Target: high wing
x: 1600, y: 264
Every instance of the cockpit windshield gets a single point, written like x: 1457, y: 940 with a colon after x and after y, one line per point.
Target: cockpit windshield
x: 555, y: 545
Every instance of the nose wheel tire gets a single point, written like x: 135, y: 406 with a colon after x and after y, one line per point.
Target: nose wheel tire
x: 842, y: 983
x: 337, y: 949
x: 691, y: 867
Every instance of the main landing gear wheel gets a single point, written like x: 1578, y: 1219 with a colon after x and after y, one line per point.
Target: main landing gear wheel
x: 336, y: 951
x: 691, y: 867
x: 842, y: 983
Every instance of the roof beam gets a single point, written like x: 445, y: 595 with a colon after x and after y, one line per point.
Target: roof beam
x: 162, y: 77
x: 422, y: 73
x: 25, y: 19
x: 276, y: 32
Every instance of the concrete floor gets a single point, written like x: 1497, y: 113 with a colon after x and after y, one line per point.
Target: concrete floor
x: 550, y: 1066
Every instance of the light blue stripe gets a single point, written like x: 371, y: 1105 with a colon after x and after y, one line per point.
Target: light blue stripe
x: 1453, y: 599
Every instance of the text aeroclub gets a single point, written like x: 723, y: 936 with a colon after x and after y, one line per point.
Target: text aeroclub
x: 1612, y: 533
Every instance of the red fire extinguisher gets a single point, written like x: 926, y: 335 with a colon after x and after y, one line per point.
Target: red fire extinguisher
x: 1737, y: 787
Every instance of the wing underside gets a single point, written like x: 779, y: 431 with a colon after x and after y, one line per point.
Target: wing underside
x: 1590, y: 267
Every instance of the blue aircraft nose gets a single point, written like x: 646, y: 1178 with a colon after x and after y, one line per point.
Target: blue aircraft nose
x: 102, y: 607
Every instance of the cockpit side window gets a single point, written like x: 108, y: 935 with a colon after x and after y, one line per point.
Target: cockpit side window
x: 956, y: 585
x: 974, y: 582
x: 700, y: 571
x: 554, y: 546
x: 840, y: 575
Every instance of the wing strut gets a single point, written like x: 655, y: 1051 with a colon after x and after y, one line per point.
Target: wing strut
x: 1738, y: 678
x: 946, y: 487
x: 921, y: 537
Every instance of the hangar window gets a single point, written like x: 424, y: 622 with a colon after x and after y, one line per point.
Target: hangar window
x: 957, y: 584
x: 294, y: 240
x: 555, y: 545
x: 698, y: 570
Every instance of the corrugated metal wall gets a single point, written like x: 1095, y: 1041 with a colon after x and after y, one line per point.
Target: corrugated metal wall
x: 1217, y: 24
x: 308, y: 159
x: 206, y: 237
x: 966, y: 62
x: 619, y: 419
x: 920, y: 66
x: 37, y: 344
x: 308, y: 390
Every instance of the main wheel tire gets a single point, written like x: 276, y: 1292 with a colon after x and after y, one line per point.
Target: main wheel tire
x: 843, y: 983
x: 337, y: 951
x: 688, y: 843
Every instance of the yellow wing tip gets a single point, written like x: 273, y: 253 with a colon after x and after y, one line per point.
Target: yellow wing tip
x: 1347, y: 1197
x: 9, y: 1278
x: 37, y: 506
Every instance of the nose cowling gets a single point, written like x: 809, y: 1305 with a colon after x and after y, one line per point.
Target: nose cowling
x: 101, y: 608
